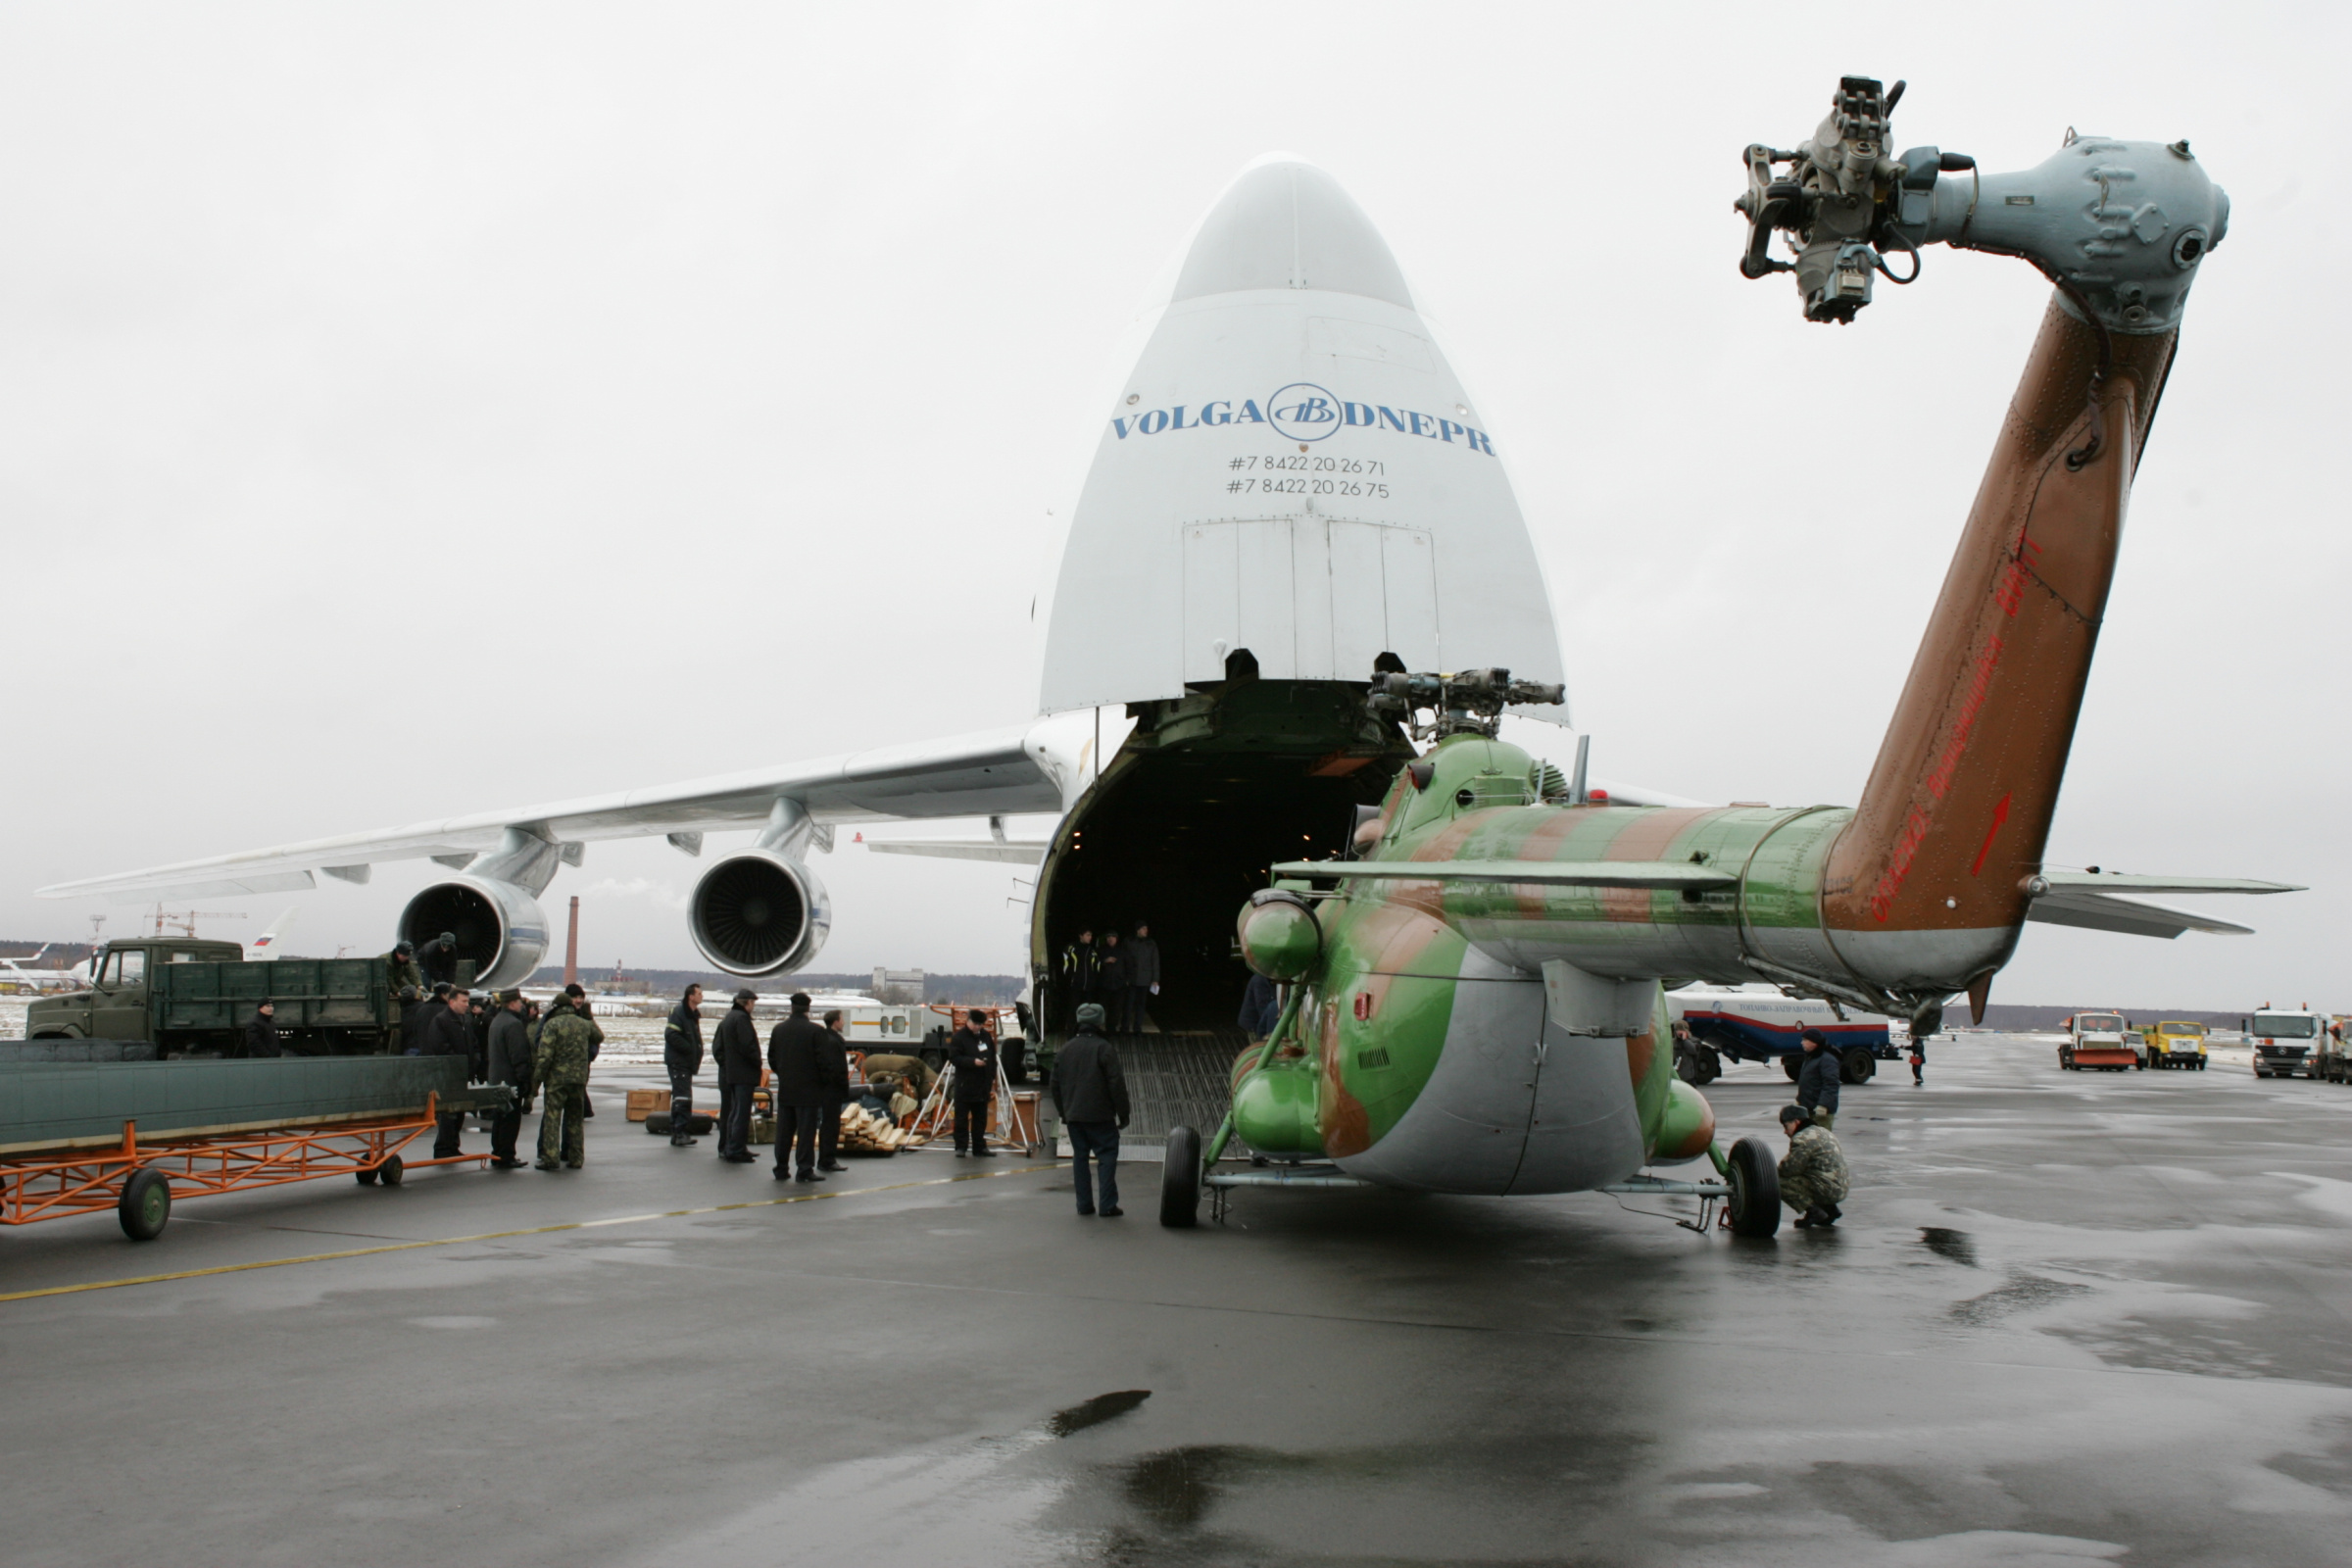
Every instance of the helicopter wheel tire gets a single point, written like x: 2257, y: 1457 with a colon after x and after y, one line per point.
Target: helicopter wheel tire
x: 1754, y: 1203
x: 1180, y: 1179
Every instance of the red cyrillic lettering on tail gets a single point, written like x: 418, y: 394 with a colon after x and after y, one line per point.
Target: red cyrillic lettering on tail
x: 2001, y: 814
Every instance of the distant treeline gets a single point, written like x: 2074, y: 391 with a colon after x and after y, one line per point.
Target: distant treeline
x: 2036, y: 1020
x: 996, y: 989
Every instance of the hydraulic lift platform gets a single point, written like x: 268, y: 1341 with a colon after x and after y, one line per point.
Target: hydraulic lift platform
x: 79, y: 1137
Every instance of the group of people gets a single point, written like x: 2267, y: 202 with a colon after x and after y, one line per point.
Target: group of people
x: 808, y: 1063
x: 1118, y: 976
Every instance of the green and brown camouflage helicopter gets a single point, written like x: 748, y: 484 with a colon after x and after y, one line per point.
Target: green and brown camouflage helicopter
x: 1474, y: 1000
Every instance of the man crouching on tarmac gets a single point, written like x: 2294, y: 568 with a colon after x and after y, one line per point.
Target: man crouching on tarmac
x: 1813, y: 1175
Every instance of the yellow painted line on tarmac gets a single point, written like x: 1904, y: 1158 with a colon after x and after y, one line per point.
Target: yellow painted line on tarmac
x: 503, y: 1236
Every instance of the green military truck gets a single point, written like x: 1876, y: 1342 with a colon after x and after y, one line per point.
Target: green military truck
x: 194, y: 998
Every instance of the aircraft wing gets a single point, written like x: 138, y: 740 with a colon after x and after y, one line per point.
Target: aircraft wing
x: 972, y: 775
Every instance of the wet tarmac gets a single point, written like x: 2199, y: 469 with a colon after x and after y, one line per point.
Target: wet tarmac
x: 2071, y: 1318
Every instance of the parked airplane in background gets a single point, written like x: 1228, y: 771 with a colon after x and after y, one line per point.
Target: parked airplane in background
x: 1295, y: 502
x: 268, y: 946
x: 25, y: 975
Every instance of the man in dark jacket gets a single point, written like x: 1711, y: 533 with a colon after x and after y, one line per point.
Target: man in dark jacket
x: 1110, y: 982
x: 1817, y: 1078
x: 737, y: 1046
x: 972, y: 1053
x: 1143, y: 976
x: 417, y: 1015
x: 260, y: 1031
x: 446, y: 1034
x: 440, y: 959
x: 682, y: 1054
x: 1262, y: 1008
x: 832, y: 1055
x: 1091, y: 1094
x: 795, y: 1055
x: 510, y: 1064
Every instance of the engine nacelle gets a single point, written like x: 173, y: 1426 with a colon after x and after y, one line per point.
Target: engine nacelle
x: 758, y: 912
x: 497, y: 924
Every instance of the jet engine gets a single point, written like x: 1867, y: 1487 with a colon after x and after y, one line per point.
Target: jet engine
x: 760, y: 912
x: 497, y: 924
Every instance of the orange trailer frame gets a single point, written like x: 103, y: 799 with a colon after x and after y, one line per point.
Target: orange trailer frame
x: 85, y: 1181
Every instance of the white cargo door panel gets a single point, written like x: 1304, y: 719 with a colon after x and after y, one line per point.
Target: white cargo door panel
x: 1310, y: 599
x: 1409, y: 582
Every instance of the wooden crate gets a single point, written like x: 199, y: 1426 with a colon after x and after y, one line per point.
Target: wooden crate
x: 642, y: 1102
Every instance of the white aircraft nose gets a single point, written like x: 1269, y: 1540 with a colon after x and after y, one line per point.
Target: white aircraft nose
x: 1285, y: 223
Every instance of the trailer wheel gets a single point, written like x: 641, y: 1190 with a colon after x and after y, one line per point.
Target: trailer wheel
x: 145, y: 1206
x: 1789, y: 1064
x: 390, y: 1171
x: 1755, y: 1181
x: 364, y: 1175
x: 1180, y: 1180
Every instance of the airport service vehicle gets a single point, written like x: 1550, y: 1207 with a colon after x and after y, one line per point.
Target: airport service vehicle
x: 1293, y: 504
x: 2286, y: 1045
x: 2098, y: 1040
x: 87, y: 1126
x: 194, y: 998
x: 2336, y: 1066
x: 2172, y: 1042
x: 1759, y: 1024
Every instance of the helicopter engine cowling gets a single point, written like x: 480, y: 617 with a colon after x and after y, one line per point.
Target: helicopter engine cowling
x: 497, y: 924
x: 758, y: 912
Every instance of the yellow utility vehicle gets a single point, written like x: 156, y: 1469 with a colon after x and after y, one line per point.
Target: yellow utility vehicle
x: 2172, y: 1042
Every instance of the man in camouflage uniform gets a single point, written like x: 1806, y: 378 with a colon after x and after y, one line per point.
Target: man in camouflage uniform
x: 400, y: 969
x: 561, y: 1071
x: 1813, y: 1175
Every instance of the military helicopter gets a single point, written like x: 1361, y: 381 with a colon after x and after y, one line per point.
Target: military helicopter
x: 1474, y: 994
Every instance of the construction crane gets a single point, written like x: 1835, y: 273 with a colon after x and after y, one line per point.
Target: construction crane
x: 186, y: 920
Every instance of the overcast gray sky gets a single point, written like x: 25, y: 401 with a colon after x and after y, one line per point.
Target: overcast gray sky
x: 413, y: 409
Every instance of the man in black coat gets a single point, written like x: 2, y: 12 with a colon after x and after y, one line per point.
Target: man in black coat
x: 440, y: 959
x: 795, y: 1055
x: 510, y: 1064
x: 416, y: 1011
x: 833, y: 1056
x: 1143, y: 976
x: 737, y: 1046
x: 1817, y: 1078
x: 1091, y: 1093
x: 972, y: 1053
x: 682, y: 1054
x: 446, y: 1034
x: 260, y: 1031
x: 1110, y: 982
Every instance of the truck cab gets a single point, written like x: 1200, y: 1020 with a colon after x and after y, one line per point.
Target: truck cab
x: 2097, y: 1040
x: 2286, y: 1044
x: 121, y: 975
x: 2172, y: 1042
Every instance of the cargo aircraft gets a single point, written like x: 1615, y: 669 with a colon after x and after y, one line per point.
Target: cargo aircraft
x: 1297, y: 579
